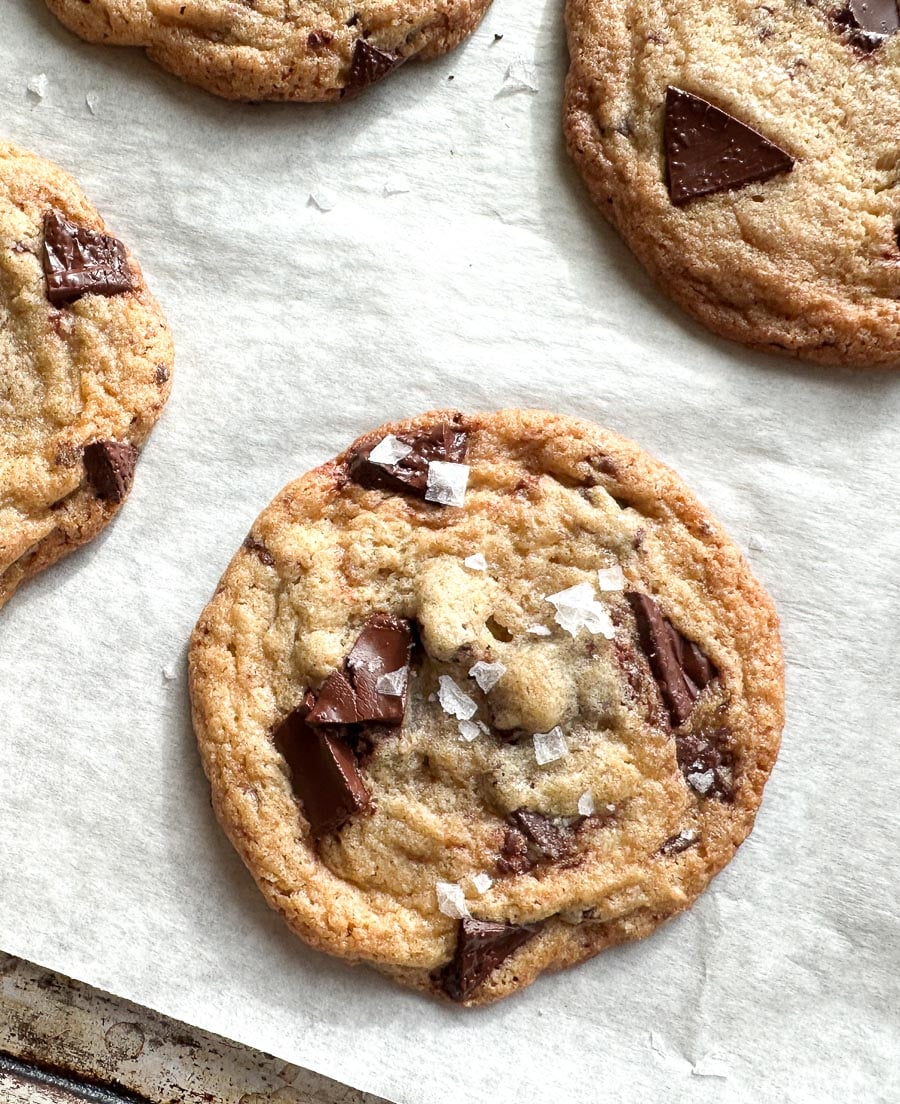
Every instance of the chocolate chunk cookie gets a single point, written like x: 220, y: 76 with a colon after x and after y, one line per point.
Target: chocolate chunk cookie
x: 483, y: 696
x: 277, y: 49
x: 85, y: 367
x: 748, y: 155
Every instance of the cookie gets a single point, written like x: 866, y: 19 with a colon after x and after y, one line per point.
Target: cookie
x: 86, y: 362
x: 277, y: 49
x: 483, y: 696
x: 747, y: 153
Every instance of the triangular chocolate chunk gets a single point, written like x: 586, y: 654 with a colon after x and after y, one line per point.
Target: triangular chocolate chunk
x: 480, y: 948
x: 708, y: 150
x: 368, y: 65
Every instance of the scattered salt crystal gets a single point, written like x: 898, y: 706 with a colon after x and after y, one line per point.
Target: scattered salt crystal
x: 702, y: 782
x: 393, y: 684
x: 538, y: 630
x: 476, y: 562
x: 520, y: 76
x: 451, y: 900
x: 611, y: 578
x: 455, y: 701
x: 469, y: 731
x: 323, y: 199
x: 37, y: 85
x: 169, y: 673
x: 487, y: 675
x: 396, y: 185
x: 91, y: 100
x: 757, y: 544
x: 577, y: 608
x: 389, y: 450
x: 710, y: 1066
x: 586, y: 804
x: 549, y: 746
x: 447, y: 483
x: 482, y: 883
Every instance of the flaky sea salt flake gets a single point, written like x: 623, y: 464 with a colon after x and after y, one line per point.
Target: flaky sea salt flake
x: 549, y: 746
x: 577, y: 608
x: 611, y: 578
x: 451, y: 900
x: 389, y: 450
x: 169, y: 673
x: 520, y: 76
x: 482, y: 883
x: 586, y: 804
x: 469, y: 731
x: 476, y: 562
x: 396, y: 185
x: 487, y: 675
x: 447, y: 483
x: 702, y: 782
x: 711, y: 1066
x: 756, y: 543
x: 393, y: 684
x: 37, y: 85
x: 91, y: 100
x: 538, y: 630
x: 455, y: 701
x: 323, y: 199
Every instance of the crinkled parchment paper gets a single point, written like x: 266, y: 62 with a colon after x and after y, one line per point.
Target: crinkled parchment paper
x: 458, y: 262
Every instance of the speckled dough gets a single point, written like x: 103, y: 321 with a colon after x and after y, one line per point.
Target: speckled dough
x: 273, y: 49
x: 550, y: 501
x: 806, y: 263
x: 96, y: 369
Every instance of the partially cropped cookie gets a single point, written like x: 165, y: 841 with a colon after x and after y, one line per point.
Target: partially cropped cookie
x: 483, y: 696
x: 277, y: 49
x: 85, y: 363
x: 748, y: 155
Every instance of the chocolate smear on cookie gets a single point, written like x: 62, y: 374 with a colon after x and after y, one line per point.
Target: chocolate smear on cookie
x: 110, y: 468
x: 78, y: 261
x: 324, y: 772
x: 480, y: 948
x: 368, y: 65
x: 708, y: 150
x: 680, y: 668
x: 707, y: 763
x: 446, y: 442
x: 372, y: 683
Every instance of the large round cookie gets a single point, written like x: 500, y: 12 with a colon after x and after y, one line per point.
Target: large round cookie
x: 277, y: 49
x: 747, y: 153
x: 484, y: 696
x: 85, y: 367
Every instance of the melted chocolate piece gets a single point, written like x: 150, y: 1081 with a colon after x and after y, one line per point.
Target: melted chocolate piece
x: 110, y: 468
x: 680, y: 668
x: 869, y: 22
x: 707, y: 763
x: 708, y: 150
x: 514, y: 858
x: 368, y: 65
x: 552, y: 842
x: 79, y: 261
x: 446, y: 441
x: 324, y: 773
x: 480, y: 948
x: 348, y: 695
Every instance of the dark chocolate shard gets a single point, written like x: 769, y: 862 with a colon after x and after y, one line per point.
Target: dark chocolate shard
x: 349, y: 695
x: 480, y: 948
x: 324, y: 773
x: 445, y: 441
x: 368, y: 65
x: 707, y: 762
x: 265, y: 557
x: 675, y: 845
x: 79, y: 261
x: 110, y: 468
x: 679, y: 666
x: 869, y: 22
x: 708, y: 150
x: 552, y: 842
x: 514, y: 857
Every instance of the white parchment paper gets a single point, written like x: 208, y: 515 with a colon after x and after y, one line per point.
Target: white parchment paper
x: 491, y: 281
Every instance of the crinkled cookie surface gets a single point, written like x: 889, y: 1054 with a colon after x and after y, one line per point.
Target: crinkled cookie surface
x: 483, y: 696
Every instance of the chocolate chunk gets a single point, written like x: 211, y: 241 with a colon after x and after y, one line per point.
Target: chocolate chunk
x: 162, y: 374
x: 550, y: 841
x: 324, y: 773
x: 446, y: 441
x: 315, y: 40
x: 708, y: 150
x: 110, y: 468
x: 78, y: 261
x: 480, y: 948
x: 707, y: 763
x: 870, y: 22
x: 348, y: 695
x: 680, y: 668
x: 514, y: 857
x: 259, y: 550
x: 674, y: 845
x: 368, y: 65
